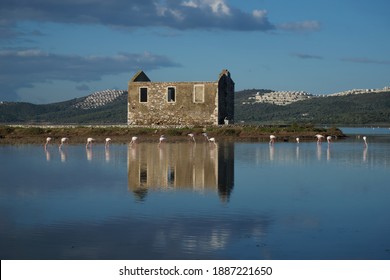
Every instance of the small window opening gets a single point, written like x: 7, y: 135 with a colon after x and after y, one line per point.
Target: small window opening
x: 171, y: 94
x: 143, y: 95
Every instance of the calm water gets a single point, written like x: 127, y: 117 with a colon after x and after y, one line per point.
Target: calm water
x: 197, y: 201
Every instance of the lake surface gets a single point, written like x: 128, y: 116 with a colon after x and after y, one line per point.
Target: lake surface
x: 197, y: 201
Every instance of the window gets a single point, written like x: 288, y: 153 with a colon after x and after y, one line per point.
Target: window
x: 171, y: 176
x: 171, y: 94
x: 143, y: 95
x: 143, y: 176
x: 198, y: 93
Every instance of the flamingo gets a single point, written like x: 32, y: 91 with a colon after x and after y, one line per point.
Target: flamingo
x: 272, y: 139
x: 319, y: 138
x: 329, y: 139
x: 212, y: 139
x: 63, y: 141
x: 365, y: 141
x: 162, y: 139
x: 89, y: 142
x: 192, y: 136
x: 297, y: 139
x: 48, y: 139
x: 134, y: 140
x: 108, y: 141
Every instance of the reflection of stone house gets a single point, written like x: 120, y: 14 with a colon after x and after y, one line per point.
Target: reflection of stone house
x: 180, y: 103
x: 177, y: 166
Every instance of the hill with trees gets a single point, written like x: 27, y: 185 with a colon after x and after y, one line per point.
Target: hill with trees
x: 358, y: 109
x: 97, y: 108
x: 110, y: 107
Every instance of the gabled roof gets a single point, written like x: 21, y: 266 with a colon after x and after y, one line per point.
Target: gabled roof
x: 140, y: 76
x: 224, y: 72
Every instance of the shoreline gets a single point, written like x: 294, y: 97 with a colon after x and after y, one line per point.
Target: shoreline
x: 35, y: 134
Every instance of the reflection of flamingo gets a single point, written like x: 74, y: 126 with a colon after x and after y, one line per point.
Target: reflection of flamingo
x: 63, y: 155
x: 365, y: 153
x: 48, y: 139
x: 271, y: 152
x: 89, y: 154
x: 162, y: 139
x: 108, y: 141
x: 272, y: 139
x: 48, y: 157
x: 89, y: 142
x: 107, y: 154
x: 192, y: 136
x: 365, y: 141
x: 63, y: 141
x: 319, y: 138
x: 134, y: 140
x: 319, y: 152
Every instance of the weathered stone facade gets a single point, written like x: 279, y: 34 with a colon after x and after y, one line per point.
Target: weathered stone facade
x: 180, y: 103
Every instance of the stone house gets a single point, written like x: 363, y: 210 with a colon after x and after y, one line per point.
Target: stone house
x: 180, y: 103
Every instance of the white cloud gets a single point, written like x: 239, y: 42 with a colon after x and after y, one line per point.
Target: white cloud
x: 365, y: 60
x: 82, y: 87
x: 191, y: 4
x: 23, y: 68
x: 175, y: 14
x: 218, y: 7
x: 260, y: 14
x: 23, y: 53
x: 309, y: 25
x: 306, y: 56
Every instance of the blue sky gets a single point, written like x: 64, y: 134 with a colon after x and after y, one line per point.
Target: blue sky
x: 54, y: 50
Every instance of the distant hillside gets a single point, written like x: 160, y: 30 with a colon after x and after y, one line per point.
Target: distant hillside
x: 110, y: 107
x: 360, y: 109
x: 103, y: 107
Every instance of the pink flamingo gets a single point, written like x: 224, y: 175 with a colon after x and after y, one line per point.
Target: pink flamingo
x: 133, y: 140
x: 192, y: 136
x: 48, y: 140
x: 365, y: 141
x: 63, y: 141
x: 107, y: 143
x: 89, y: 142
x: 212, y: 139
x: 162, y: 139
x: 319, y: 138
x: 272, y: 139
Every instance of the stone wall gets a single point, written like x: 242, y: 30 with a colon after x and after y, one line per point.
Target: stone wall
x: 183, y: 111
x: 216, y: 105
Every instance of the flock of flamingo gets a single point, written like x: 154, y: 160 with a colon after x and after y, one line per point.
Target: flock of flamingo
x: 319, y: 137
x: 134, y: 140
x: 162, y: 139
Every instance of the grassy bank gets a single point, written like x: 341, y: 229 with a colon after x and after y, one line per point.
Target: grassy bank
x: 123, y: 134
